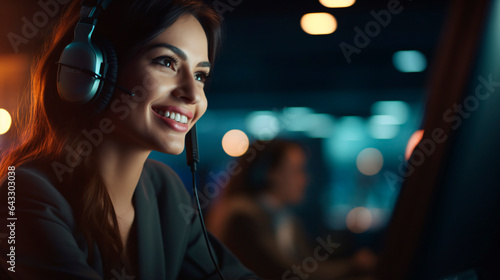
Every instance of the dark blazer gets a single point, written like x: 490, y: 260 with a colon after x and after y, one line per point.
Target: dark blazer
x: 170, y: 244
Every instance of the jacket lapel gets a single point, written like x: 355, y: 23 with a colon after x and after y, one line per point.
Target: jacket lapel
x: 149, y: 234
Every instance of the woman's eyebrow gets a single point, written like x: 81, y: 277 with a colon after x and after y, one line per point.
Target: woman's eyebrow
x: 180, y: 53
x: 204, y: 64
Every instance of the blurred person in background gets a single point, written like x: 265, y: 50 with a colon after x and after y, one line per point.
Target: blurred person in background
x: 252, y: 217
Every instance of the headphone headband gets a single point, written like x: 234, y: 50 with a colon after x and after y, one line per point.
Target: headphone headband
x: 99, y: 5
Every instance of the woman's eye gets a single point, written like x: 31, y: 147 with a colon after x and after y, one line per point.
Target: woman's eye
x: 201, y: 76
x: 166, y: 61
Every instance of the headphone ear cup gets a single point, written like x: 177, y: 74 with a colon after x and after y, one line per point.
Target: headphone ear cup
x: 107, y: 88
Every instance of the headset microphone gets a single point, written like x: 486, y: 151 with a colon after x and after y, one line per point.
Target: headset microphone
x: 193, y: 157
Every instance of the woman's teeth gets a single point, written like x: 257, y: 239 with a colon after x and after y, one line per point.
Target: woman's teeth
x: 174, y: 116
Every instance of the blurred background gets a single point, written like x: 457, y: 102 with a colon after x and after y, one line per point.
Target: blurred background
x: 348, y: 82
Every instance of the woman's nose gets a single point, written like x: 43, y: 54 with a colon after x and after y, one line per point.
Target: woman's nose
x: 187, y: 90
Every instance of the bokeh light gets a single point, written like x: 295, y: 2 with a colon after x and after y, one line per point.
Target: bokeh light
x: 351, y: 128
x: 369, y: 161
x: 359, y: 220
x: 415, y: 138
x: 399, y: 110
x: 5, y: 121
x: 320, y: 125
x: 383, y: 127
x: 263, y: 125
x: 235, y: 142
x: 318, y: 23
x: 337, y: 3
x: 409, y: 61
x: 295, y: 118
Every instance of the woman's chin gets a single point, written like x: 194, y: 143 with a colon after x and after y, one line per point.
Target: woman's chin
x: 172, y: 150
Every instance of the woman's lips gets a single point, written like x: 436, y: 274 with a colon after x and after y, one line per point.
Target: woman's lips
x: 176, y: 121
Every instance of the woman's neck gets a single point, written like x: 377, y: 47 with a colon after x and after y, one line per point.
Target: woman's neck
x: 121, y: 165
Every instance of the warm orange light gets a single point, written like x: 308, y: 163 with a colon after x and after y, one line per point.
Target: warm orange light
x: 337, y: 3
x: 415, y: 138
x: 235, y: 143
x: 5, y: 121
x: 318, y: 23
x: 369, y: 161
x: 359, y: 220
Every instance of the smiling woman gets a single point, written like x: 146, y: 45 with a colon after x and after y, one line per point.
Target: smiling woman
x: 88, y: 203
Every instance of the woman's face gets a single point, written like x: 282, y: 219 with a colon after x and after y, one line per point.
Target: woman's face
x: 289, y: 179
x: 168, y: 77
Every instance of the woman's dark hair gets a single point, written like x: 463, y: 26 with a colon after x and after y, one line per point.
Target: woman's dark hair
x: 51, y: 129
x: 261, y: 158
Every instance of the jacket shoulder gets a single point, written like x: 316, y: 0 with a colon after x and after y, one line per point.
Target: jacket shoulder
x: 31, y: 187
x: 164, y: 179
x: 31, y: 181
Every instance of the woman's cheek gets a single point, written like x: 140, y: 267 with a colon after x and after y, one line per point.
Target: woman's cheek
x: 204, y: 105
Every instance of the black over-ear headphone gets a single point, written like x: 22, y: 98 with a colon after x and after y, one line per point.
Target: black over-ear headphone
x: 88, y: 66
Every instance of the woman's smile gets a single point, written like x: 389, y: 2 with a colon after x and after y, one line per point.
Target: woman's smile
x: 174, y: 117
